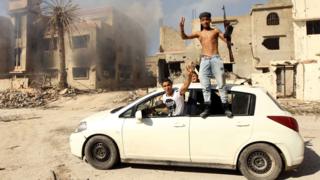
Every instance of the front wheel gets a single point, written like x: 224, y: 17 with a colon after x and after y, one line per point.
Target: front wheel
x: 101, y: 152
x: 260, y: 161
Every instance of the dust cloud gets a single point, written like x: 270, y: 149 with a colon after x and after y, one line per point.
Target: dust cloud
x: 145, y: 12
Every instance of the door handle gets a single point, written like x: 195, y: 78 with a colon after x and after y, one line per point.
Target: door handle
x: 242, y: 124
x: 179, y: 125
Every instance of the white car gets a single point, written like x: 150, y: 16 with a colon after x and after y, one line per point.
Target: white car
x: 260, y: 140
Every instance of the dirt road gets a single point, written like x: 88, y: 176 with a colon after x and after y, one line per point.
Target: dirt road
x: 34, y: 143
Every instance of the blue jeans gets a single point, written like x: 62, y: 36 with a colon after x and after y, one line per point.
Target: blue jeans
x: 212, y: 66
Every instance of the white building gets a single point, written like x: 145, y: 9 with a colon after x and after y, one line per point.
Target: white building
x: 307, y: 29
x: 306, y: 24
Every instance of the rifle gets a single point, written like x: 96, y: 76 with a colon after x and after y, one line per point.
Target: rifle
x: 228, y: 32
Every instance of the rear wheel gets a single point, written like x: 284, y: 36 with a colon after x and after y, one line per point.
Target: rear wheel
x: 101, y: 152
x: 260, y: 161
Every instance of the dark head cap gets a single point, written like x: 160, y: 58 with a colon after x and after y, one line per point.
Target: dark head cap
x: 205, y: 14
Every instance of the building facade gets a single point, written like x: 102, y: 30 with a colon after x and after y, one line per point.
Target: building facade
x: 105, y: 49
x: 5, y: 44
x: 307, y: 47
x: 101, y: 53
x: 275, y: 46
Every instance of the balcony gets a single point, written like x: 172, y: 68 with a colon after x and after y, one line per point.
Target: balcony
x: 17, y: 5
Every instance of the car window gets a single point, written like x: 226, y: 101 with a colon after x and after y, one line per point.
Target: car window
x: 127, y: 114
x: 241, y: 104
x: 153, y: 107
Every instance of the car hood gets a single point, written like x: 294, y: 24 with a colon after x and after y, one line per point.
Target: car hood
x: 97, y: 116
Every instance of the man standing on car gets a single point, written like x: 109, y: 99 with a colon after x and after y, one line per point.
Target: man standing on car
x: 174, y: 99
x: 211, y: 62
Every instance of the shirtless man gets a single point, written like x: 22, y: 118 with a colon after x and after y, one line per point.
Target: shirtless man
x: 211, y: 62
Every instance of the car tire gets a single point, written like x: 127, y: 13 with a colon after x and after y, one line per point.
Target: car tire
x: 260, y: 161
x: 101, y: 152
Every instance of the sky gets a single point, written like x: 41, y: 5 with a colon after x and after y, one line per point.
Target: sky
x: 150, y: 12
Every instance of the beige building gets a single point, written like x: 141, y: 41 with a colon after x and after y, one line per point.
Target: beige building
x: 264, y: 35
x: 26, y: 57
x: 105, y: 50
x: 271, y: 46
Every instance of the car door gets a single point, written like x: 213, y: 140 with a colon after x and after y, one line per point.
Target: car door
x: 157, y: 137
x: 218, y: 138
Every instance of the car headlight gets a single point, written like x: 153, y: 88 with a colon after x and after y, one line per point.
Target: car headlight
x: 82, y: 126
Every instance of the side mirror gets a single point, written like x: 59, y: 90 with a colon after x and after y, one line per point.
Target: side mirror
x: 138, y: 116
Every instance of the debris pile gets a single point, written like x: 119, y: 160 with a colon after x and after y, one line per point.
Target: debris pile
x: 131, y: 96
x: 29, y: 98
x: 128, y: 98
x: 26, y: 98
x: 300, y: 107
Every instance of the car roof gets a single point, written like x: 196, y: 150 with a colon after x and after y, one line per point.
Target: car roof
x: 229, y: 87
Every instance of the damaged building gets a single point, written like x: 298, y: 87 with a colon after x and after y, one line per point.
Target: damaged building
x: 306, y: 24
x: 276, y: 46
x: 100, y: 52
x: 5, y: 45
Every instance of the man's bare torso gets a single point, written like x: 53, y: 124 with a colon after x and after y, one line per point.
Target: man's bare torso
x: 209, y: 42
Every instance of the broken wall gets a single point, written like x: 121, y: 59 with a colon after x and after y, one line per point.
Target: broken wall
x: 267, y: 81
x: 14, y: 83
x: 308, y: 82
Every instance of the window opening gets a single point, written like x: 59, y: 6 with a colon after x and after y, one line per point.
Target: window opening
x: 273, y: 19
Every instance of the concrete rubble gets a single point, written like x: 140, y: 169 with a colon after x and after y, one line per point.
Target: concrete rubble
x: 31, y: 98
x: 298, y: 107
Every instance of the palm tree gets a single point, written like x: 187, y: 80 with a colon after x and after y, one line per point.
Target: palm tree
x: 61, y: 16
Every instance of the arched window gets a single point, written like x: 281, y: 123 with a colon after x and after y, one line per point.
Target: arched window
x: 272, y: 19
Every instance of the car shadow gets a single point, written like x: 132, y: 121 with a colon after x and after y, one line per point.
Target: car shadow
x: 309, y: 166
x: 180, y: 169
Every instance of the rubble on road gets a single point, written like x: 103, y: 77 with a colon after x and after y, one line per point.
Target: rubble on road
x: 298, y: 107
x: 132, y: 95
x: 30, y: 98
x: 26, y: 98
